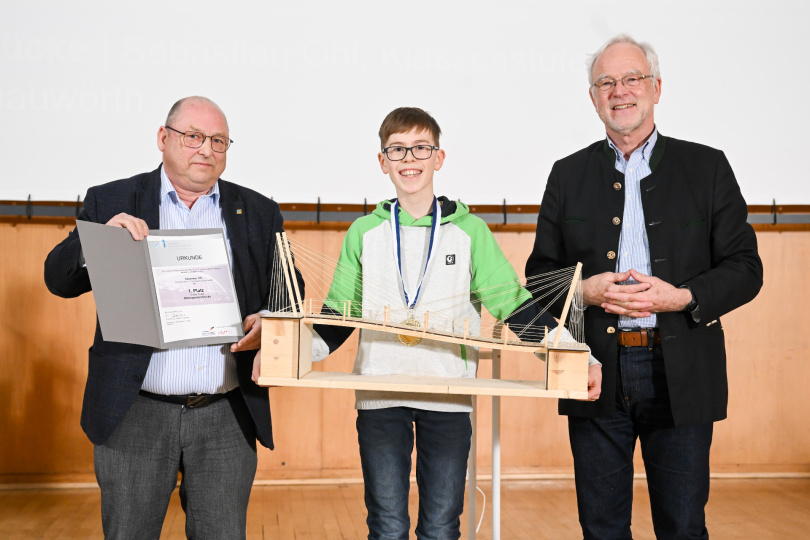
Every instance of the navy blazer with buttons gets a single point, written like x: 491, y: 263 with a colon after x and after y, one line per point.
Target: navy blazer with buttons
x: 695, y: 217
x: 116, y: 370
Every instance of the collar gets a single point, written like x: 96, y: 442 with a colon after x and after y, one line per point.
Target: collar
x: 447, y: 206
x: 646, y: 149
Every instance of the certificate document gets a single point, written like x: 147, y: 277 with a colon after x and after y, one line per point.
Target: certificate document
x: 173, y: 289
x: 194, y: 287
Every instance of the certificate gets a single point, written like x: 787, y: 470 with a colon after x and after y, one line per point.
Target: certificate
x: 194, y: 287
x: 173, y: 289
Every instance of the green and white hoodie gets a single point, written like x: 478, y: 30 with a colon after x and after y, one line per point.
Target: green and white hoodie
x: 467, y: 258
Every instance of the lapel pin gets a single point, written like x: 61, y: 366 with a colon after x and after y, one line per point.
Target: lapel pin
x: 238, y: 210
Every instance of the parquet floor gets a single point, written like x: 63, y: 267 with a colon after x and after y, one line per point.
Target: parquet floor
x: 755, y: 509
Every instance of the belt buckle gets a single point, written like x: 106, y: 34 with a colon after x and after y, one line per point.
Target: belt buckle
x: 197, y: 401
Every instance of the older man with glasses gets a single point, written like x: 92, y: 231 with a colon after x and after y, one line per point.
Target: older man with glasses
x: 152, y: 413
x: 660, y: 227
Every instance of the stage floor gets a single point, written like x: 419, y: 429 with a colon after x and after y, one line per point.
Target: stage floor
x: 738, y: 509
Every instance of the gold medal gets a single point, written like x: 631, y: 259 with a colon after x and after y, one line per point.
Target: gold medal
x: 410, y: 341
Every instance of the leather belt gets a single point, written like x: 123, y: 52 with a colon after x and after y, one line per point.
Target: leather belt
x: 638, y: 338
x: 191, y: 401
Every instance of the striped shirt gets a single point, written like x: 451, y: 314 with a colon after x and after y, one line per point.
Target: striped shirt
x: 634, y: 247
x: 208, y: 369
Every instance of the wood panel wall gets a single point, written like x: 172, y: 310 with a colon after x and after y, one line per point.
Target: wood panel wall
x: 43, y: 366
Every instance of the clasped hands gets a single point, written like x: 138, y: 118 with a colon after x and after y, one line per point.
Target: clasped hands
x: 649, y: 295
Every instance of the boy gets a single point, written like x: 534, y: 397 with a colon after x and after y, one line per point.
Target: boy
x: 434, y: 267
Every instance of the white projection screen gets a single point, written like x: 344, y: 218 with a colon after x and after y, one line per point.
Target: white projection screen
x: 305, y: 85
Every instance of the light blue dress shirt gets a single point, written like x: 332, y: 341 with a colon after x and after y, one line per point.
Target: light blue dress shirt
x: 634, y: 247
x: 208, y: 369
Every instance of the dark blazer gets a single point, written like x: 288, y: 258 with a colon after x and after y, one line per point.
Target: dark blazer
x: 116, y: 370
x: 695, y: 217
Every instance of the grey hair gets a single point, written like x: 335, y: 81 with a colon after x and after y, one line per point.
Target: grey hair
x: 649, y: 53
x: 175, y: 110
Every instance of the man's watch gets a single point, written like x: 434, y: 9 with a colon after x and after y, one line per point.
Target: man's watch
x: 692, y: 308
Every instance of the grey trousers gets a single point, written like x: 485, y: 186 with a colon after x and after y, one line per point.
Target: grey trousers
x: 214, y: 448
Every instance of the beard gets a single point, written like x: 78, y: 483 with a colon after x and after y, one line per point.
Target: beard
x: 626, y: 125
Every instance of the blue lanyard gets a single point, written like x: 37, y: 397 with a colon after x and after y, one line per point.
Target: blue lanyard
x: 434, y: 239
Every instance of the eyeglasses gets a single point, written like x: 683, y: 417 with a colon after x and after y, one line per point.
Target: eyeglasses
x: 398, y: 153
x: 195, y: 139
x: 605, y: 84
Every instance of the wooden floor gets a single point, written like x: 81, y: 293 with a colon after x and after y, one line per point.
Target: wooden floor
x: 758, y: 509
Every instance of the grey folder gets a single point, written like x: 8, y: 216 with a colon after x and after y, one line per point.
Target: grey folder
x: 124, y: 288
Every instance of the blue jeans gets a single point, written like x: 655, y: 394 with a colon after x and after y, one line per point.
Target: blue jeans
x: 386, y: 438
x: 676, y: 458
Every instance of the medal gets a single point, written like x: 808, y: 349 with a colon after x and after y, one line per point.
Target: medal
x: 410, y: 341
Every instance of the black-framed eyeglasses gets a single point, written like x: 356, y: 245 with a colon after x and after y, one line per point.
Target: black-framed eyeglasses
x: 420, y: 151
x: 605, y: 84
x: 195, y: 139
